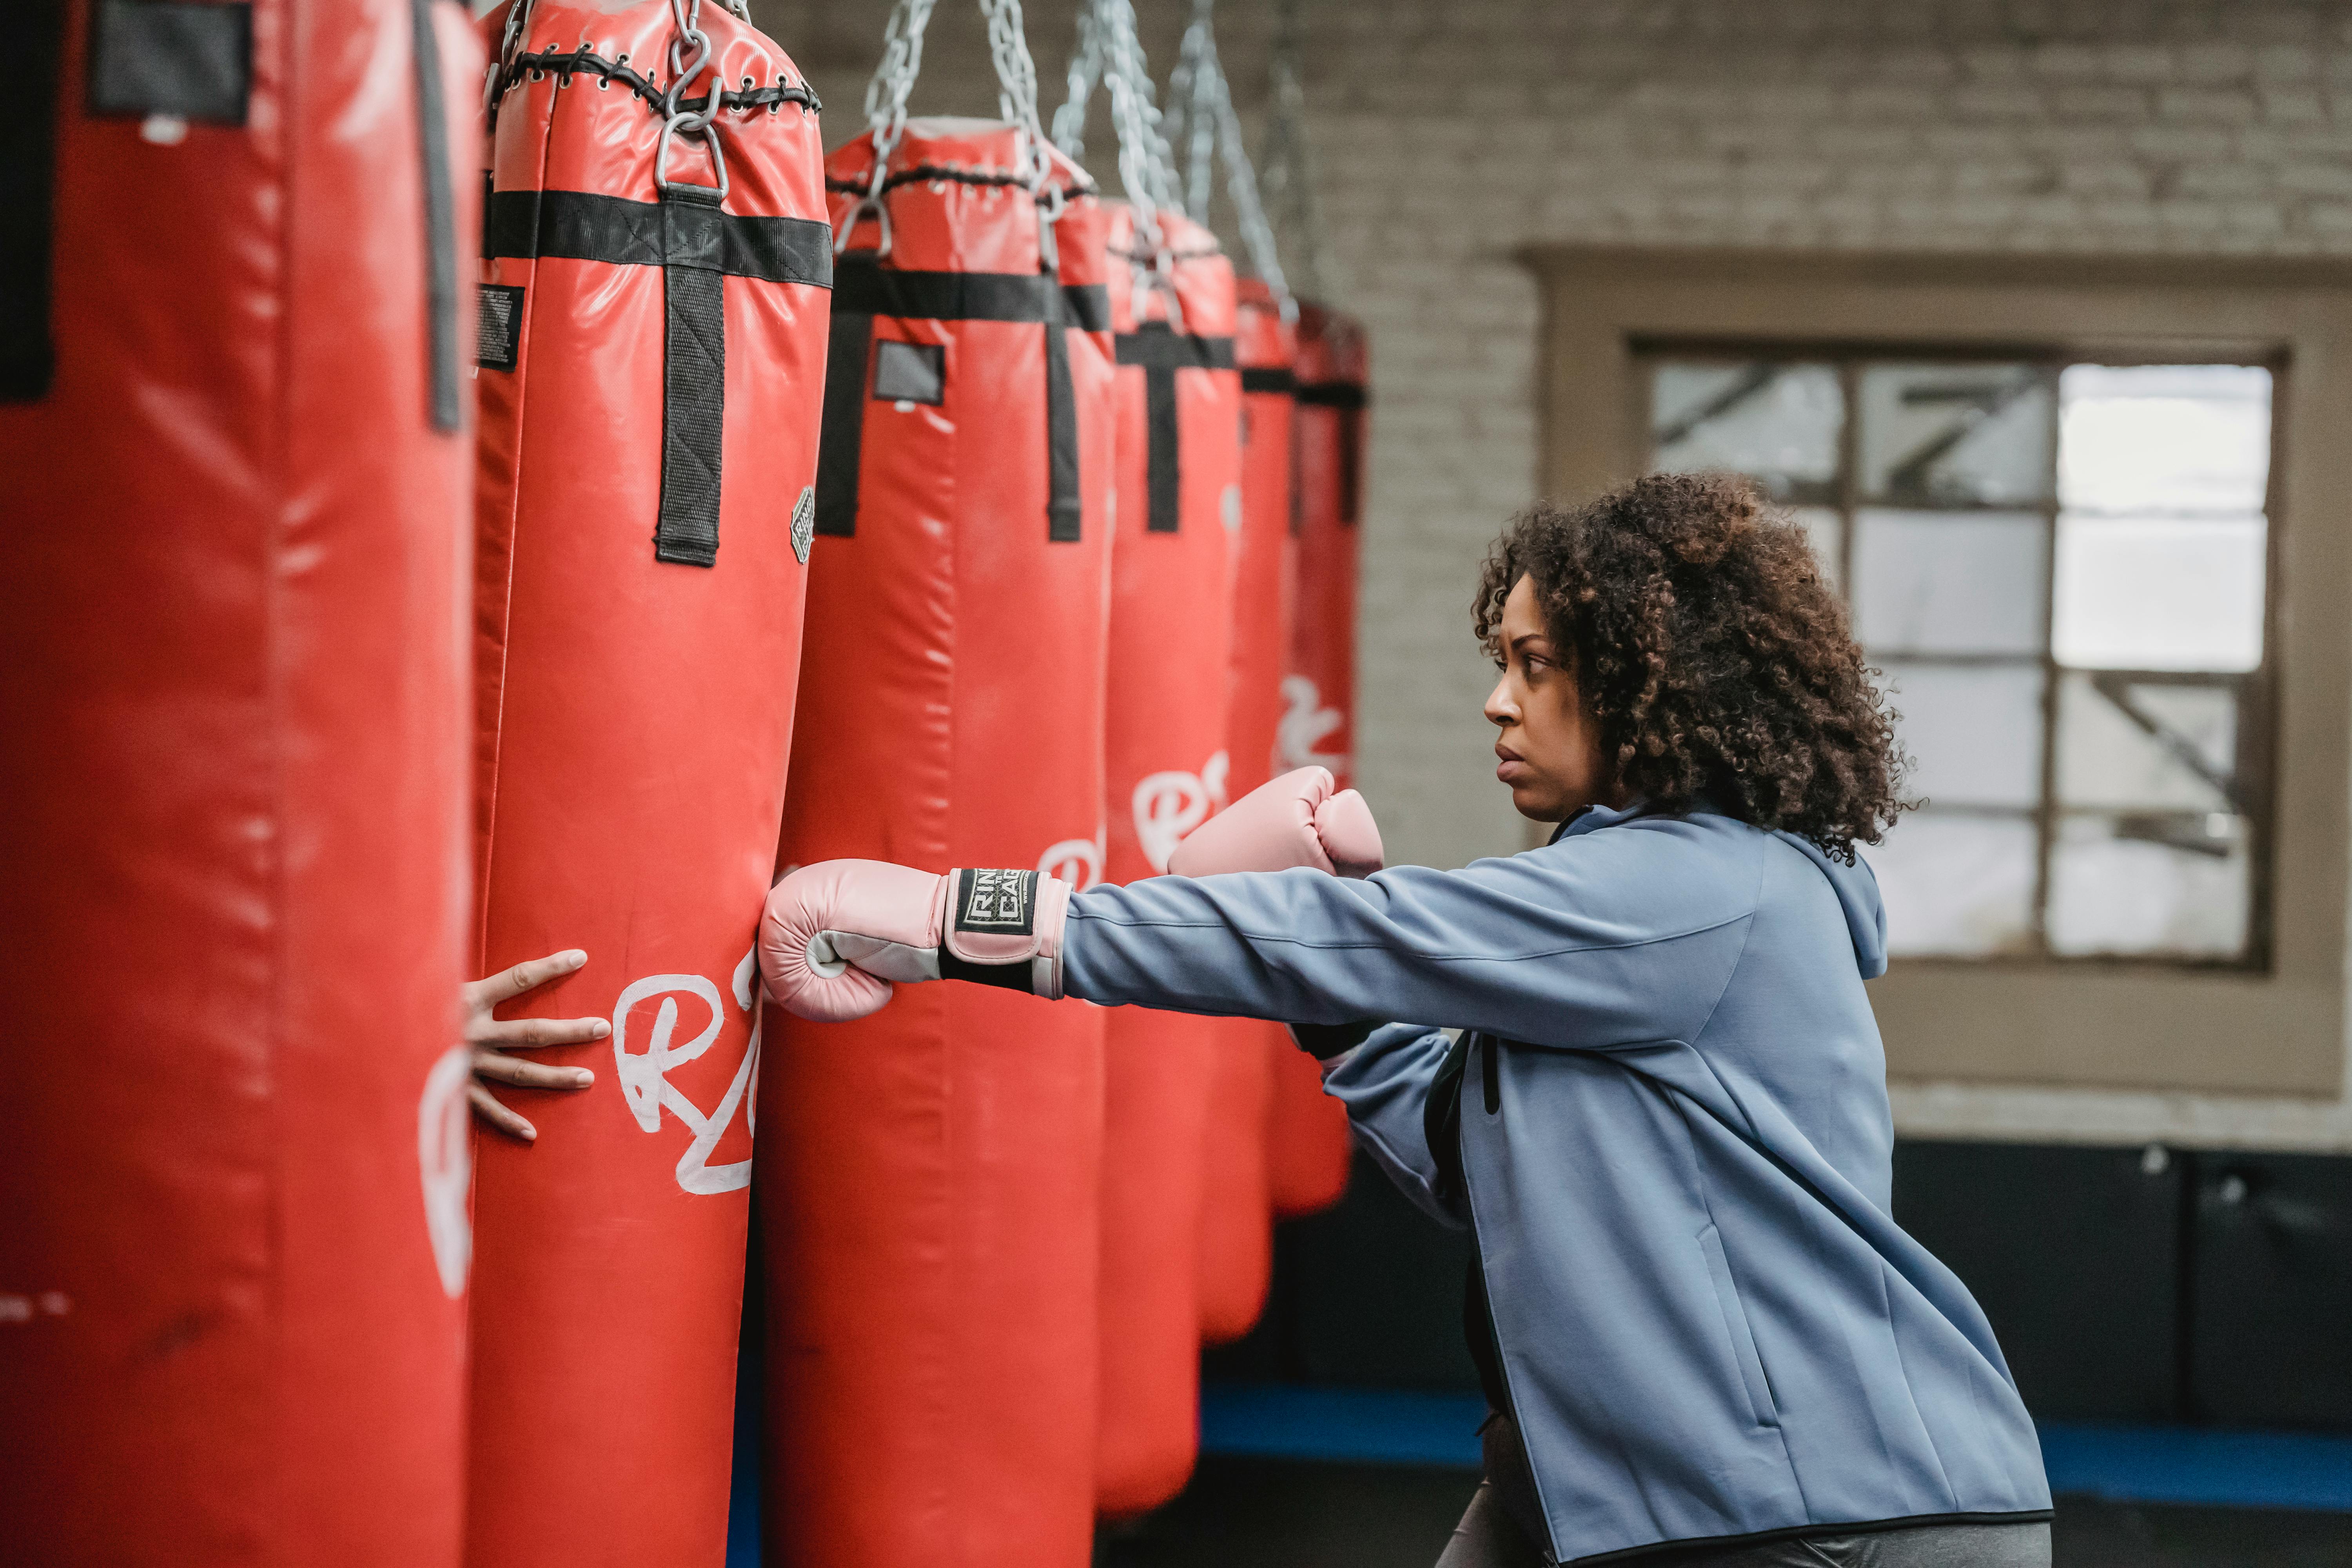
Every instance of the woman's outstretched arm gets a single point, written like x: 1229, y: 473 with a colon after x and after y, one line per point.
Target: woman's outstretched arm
x: 1587, y: 945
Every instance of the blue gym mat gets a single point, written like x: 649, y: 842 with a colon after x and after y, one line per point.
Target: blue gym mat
x: 2124, y: 1463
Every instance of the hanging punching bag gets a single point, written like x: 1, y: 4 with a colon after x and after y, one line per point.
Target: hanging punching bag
x: 653, y: 325
x: 928, y: 1175
x: 1310, y: 1149
x: 1178, y: 509
x: 1236, y: 1221
x: 234, y: 422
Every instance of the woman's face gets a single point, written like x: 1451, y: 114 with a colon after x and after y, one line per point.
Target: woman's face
x: 1549, y: 747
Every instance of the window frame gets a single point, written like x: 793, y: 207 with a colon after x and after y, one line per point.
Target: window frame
x: 2256, y: 688
x: 2108, y: 1023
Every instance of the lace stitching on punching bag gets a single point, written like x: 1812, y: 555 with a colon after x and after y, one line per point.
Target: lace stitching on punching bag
x: 583, y: 61
x: 945, y: 174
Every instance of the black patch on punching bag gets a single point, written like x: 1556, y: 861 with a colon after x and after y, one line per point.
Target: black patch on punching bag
x: 30, y: 36
x: 910, y: 373
x: 161, y: 57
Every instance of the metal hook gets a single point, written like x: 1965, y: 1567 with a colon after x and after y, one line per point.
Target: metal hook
x: 708, y: 134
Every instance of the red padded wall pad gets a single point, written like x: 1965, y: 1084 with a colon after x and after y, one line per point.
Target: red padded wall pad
x: 1236, y: 1223
x: 1310, y: 1149
x: 928, y: 1174
x: 648, y: 489
x: 1170, y: 655
x: 232, y: 616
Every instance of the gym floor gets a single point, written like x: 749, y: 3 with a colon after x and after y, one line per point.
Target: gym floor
x: 1250, y: 1512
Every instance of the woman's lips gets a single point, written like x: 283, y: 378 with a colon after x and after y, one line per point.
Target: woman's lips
x: 1511, y: 768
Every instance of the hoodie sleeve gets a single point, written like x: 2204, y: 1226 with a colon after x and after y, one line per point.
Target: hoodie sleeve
x: 1616, y: 938
x: 1385, y: 1084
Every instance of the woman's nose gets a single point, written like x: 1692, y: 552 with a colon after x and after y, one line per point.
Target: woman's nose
x: 1500, y: 708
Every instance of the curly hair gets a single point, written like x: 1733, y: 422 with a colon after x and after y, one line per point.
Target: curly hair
x: 1719, y: 664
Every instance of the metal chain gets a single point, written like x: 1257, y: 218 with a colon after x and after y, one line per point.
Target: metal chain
x: 1191, y: 111
x: 1249, y: 211
x: 1016, y: 98
x: 1085, y: 70
x: 1288, y: 174
x: 686, y: 34
x: 886, y: 115
x: 1199, y: 92
x: 1145, y: 164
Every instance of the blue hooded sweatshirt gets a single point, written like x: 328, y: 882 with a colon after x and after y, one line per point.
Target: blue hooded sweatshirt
x: 1676, y: 1154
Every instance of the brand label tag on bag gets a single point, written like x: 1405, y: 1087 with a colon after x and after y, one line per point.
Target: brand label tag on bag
x: 498, y: 334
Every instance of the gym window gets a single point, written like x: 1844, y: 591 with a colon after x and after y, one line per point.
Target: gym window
x: 2061, y: 564
x: 1950, y: 392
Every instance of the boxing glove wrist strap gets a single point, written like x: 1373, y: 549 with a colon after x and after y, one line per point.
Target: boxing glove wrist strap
x: 1004, y: 928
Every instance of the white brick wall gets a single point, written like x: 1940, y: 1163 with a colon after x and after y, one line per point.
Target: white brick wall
x: 1448, y: 132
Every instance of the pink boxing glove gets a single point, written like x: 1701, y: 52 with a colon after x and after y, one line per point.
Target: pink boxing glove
x: 837, y: 935
x: 1296, y: 820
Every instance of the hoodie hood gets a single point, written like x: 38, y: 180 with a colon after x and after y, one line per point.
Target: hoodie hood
x: 1857, y: 891
x: 1856, y: 885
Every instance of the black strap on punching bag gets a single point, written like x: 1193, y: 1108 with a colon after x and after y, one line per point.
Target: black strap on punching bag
x: 442, y: 387
x: 698, y: 246
x: 1162, y: 351
x: 1348, y: 400
x: 31, y: 36
x: 694, y: 374
x: 864, y: 288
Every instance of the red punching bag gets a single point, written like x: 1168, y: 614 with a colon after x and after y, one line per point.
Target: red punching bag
x: 654, y: 311
x: 1310, y: 1147
x: 1179, y: 509
x: 928, y: 1175
x: 234, y: 418
x: 1236, y: 1222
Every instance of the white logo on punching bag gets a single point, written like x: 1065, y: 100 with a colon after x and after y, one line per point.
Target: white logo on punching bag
x: 644, y: 1081
x: 1077, y: 861
x: 1303, y: 723
x: 447, y: 1167
x: 1170, y: 804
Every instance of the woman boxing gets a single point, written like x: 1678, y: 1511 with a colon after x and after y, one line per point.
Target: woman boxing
x: 1638, y: 1063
